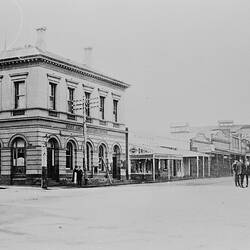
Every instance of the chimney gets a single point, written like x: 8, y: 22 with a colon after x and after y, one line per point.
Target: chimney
x: 40, y: 39
x: 88, y: 56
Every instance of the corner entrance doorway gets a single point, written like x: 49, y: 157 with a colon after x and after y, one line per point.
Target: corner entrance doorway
x: 53, y: 159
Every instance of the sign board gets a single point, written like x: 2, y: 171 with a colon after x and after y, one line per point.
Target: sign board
x: 44, y: 156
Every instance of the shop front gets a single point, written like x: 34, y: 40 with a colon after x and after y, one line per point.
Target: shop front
x: 156, y: 166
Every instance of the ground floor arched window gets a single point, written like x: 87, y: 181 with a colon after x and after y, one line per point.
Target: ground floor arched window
x: 70, y: 155
x: 18, y: 157
x: 116, y: 162
x: 89, y: 155
x: 102, y: 157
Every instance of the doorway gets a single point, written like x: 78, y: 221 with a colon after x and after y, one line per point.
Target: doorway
x: 53, y: 159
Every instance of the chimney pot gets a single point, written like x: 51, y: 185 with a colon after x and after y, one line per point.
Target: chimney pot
x: 40, y: 40
x: 88, y: 56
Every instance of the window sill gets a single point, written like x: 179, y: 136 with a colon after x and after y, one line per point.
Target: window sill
x: 53, y: 113
x: 102, y: 122
x: 17, y: 112
x: 89, y: 119
x: 71, y: 117
x: 116, y: 125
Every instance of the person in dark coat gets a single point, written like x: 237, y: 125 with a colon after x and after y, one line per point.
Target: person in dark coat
x: 85, y: 176
x: 247, y: 166
x: 242, y: 171
x: 235, y: 173
x: 79, y: 175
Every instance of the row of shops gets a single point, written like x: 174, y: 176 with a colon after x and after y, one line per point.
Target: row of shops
x: 187, y: 154
x: 165, y: 164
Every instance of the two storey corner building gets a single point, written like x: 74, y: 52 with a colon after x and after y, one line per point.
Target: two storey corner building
x: 37, y: 90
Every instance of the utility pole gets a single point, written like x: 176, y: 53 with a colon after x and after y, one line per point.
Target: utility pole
x: 84, y: 126
x: 44, y: 175
x: 82, y: 104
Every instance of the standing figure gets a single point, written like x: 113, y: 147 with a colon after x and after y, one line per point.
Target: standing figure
x: 79, y: 176
x: 247, y: 164
x: 242, y: 171
x: 85, y: 175
x: 235, y: 173
x: 74, y: 176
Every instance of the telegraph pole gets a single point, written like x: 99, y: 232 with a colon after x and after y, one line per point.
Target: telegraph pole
x: 84, y: 126
x: 44, y: 175
x: 82, y: 105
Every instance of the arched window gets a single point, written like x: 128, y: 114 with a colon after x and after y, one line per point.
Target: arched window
x: 51, y: 146
x: 19, y: 156
x: 116, y: 150
x: 89, y: 162
x: 70, y: 155
x: 116, y: 164
x: 102, y: 157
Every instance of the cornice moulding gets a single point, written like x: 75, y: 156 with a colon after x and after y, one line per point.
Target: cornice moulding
x: 65, y: 65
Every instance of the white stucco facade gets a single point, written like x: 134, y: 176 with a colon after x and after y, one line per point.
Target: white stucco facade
x: 26, y: 77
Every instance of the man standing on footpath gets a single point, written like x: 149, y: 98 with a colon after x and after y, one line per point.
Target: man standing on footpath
x: 247, y: 165
x: 242, y: 172
x: 235, y: 173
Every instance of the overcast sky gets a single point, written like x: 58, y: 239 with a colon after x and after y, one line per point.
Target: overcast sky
x: 186, y: 60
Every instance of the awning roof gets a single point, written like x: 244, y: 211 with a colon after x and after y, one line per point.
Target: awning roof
x: 166, y: 153
x: 188, y: 153
x: 155, y: 156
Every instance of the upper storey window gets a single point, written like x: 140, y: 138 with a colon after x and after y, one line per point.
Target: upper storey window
x: 53, y: 82
x: 102, y: 107
x: 70, y: 99
x: 115, y: 110
x: 52, y: 96
x: 87, y: 106
x: 19, y: 92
